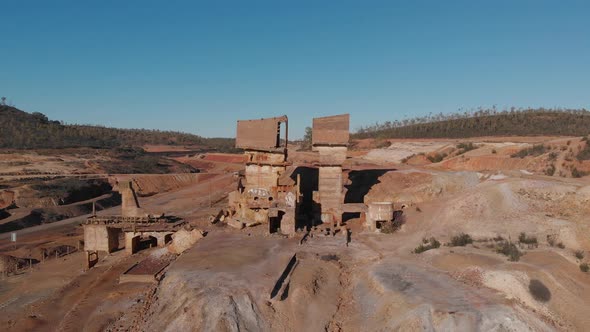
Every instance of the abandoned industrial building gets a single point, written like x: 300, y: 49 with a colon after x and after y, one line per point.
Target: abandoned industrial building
x: 273, y: 192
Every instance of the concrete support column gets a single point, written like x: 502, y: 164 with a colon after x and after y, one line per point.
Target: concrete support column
x: 131, y: 242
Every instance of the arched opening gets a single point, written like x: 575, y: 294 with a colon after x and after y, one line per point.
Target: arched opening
x: 147, y: 241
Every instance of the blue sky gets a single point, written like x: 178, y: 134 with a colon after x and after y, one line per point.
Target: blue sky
x: 199, y: 66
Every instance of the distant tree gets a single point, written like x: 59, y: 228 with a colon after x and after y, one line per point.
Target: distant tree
x: 3, y: 101
x: 40, y: 117
x: 307, y: 139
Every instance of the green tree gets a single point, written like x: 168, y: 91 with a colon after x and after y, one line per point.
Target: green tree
x: 307, y: 138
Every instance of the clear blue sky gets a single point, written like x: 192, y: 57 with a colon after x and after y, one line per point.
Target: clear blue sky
x: 198, y: 66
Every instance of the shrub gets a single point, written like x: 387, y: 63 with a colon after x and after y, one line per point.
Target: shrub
x: 578, y: 174
x: 552, y: 156
x: 584, y: 154
x: 579, y: 254
x: 530, y: 240
x: 550, y: 170
x: 437, y: 157
x: 584, y: 267
x: 536, y: 150
x: 494, y: 151
x: 551, y: 240
x: 405, y: 160
x: 461, y: 240
x: 427, y: 244
x: 464, y: 147
x: 382, y: 143
x: 560, y: 245
x: 391, y: 226
x: 510, y: 250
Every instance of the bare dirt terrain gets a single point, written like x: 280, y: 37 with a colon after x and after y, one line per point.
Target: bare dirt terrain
x: 248, y: 280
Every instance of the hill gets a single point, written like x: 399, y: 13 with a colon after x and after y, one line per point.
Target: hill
x: 22, y: 130
x: 489, y: 122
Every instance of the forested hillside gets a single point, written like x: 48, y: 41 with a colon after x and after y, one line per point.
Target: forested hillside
x: 485, y: 122
x: 21, y: 130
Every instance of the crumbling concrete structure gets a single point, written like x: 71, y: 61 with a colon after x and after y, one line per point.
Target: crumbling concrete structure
x: 131, y: 230
x: 262, y: 196
x: 129, y: 203
x: 330, y: 137
x: 377, y: 213
x: 104, y: 234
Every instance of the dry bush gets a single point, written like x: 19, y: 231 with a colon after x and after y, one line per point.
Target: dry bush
x: 461, y: 240
x: 427, y: 244
x: 510, y: 250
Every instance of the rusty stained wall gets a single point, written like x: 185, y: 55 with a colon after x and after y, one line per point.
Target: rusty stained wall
x: 331, y: 196
x: 258, y: 134
x: 331, y: 130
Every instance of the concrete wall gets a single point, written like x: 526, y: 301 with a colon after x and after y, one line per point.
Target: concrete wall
x: 262, y: 176
x: 332, y: 155
x: 129, y: 202
x: 101, y: 238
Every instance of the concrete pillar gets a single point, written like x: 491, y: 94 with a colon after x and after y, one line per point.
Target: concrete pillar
x: 161, y: 238
x: 129, y: 203
x: 131, y: 242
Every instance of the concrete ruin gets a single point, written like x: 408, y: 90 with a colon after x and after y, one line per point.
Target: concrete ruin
x: 264, y: 195
x: 129, y: 202
x: 132, y: 230
x: 330, y: 137
x: 377, y: 213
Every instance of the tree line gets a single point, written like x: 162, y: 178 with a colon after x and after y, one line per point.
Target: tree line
x: 485, y: 122
x: 22, y: 130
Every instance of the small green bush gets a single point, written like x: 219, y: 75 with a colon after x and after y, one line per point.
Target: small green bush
x: 584, y: 267
x: 560, y: 245
x: 461, y: 240
x: 579, y: 254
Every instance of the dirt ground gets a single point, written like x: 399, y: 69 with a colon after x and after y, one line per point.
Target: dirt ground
x: 231, y: 280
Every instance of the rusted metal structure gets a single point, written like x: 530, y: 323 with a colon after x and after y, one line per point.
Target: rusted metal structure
x: 262, y: 195
x: 330, y: 136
